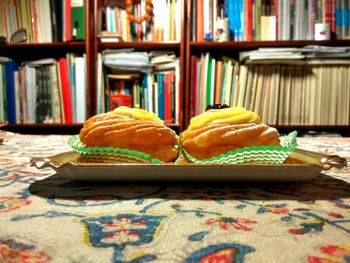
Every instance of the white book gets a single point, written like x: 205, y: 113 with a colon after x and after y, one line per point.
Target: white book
x: 273, y: 107
x: 80, y: 85
x: 17, y: 96
x: 347, y: 96
x: 199, y: 75
x: 286, y: 20
x: 306, y: 96
x: 228, y: 81
x: 56, y: 96
x: 177, y: 94
x: 206, y: 10
x: 150, y: 78
x: 108, y: 19
x: 204, y: 91
x: 251, y: 84
x: 100, y: 103
x: 281, y: 92
x: 178, y: 18
x: 155, y: 97
x: 242, y: 84
x: 44, y: 21
x: 212, y: 84
x: 31, y: 93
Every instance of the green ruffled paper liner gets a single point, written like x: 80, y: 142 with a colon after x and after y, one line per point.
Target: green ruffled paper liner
x: 251, y: 154
x: 109, y: 154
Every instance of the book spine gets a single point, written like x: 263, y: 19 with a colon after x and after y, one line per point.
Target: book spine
x: 10, y: 68
x: 77, y: 11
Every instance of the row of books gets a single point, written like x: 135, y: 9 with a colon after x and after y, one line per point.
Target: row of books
x: 44, y: 20
x: 308, y: 94
x: 43, y: 91
x: 153, y: 83
x: 164, y: 23
x: 154, y: 92
x: 250, y: 20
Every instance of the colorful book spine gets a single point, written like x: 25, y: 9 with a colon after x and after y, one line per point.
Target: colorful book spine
x: 10, y: 68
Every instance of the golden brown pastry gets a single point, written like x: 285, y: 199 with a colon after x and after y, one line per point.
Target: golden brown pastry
x: 133, y: 129
x: 218, y: 131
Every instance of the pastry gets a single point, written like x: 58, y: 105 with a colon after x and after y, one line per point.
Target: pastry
x: 133, y: 129
x: 218, y: 131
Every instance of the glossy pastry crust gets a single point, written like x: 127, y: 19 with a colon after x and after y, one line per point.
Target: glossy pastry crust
x: 119, y: 131
x: 218, y: 138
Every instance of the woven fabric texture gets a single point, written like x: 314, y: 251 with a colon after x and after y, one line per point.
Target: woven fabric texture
x: 47, y: 218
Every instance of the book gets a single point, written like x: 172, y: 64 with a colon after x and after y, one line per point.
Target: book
x: 66, y: 92
x: 117, y: 100
x: 56, y: 20
x: 10, y: 68
x: 80, y: 85
x: 77, y: 19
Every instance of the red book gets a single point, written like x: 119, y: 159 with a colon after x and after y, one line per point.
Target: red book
x: 167, y: 97
x: 332, y: 15
x: 249, y: 18
x: 117, y: 100
x: 65, y: 86
x: 199, y: 24
x: 194, y: 84
x: 67, y: 22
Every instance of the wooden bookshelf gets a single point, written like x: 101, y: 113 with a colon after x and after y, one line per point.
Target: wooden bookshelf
x: 184, y: 48
x: 179, y: 47
x: 232, y: 49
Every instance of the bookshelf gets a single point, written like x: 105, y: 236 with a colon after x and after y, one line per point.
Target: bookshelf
x: 178, y: 45
x: 196, y: 47
x: 184, y: 48
x: 35, y: 50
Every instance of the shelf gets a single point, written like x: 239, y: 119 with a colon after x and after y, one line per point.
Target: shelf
x: 56, y: 128
x: 241, y: 46
x: 77, y: 44
x: 140, y: 45
x: 44, y: 128
x: 29, y: 51
x: 340, y: 129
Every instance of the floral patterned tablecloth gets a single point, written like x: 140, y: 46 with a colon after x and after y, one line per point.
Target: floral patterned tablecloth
x: 46, y: 218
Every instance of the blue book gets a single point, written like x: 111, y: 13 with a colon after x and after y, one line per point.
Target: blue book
x: 226, y: 3
x: 231, y: 17
x: 160, y: 80
x: 10, y: 68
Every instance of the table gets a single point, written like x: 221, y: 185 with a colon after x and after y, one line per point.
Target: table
x: 46, y: 218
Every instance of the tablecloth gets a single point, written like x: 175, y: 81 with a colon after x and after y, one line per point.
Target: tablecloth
x: 47, y: 218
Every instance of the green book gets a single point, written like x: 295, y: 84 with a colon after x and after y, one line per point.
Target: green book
x: 78, y: 19
x: 208, y: 83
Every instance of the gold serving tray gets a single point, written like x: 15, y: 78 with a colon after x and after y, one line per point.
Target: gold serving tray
x: 302, y: 165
